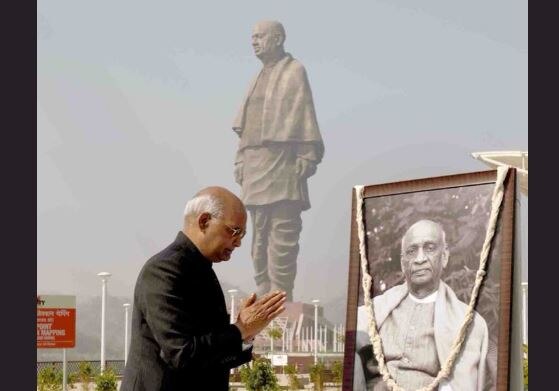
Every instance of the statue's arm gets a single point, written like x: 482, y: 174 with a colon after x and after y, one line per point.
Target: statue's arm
x: 307, y: 159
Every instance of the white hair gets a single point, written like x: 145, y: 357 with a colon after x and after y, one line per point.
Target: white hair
x: 204, y: 203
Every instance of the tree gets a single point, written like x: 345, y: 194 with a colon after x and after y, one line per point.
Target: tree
x: 274, y: 333
x: 341, y: 338
x: 260, y: 377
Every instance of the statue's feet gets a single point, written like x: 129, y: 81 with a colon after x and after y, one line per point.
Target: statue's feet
x: 266, y: 287
x: 263, y: 288
x: 289, y: 292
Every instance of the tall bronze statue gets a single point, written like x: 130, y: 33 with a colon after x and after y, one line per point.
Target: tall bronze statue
x: 279, y: 148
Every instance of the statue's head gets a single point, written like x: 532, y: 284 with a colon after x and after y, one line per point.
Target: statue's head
x: 268, y: 37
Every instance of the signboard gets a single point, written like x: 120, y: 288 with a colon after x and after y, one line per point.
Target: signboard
x: 279, y: 360
x: 56, y: 321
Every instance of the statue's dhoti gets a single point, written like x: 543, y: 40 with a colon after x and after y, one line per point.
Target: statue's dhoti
x: 275, y: 245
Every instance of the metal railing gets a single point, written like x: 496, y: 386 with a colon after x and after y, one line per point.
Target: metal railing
x: 298, y: 344
x: 72, y: 366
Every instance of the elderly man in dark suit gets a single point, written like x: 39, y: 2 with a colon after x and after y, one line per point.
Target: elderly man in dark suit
x: 181, y: 335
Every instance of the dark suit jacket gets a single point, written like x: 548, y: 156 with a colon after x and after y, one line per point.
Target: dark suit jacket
x: 181, y: 336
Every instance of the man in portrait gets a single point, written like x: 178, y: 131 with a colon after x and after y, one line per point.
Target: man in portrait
x: 279, y: 148
x: 418, y: 322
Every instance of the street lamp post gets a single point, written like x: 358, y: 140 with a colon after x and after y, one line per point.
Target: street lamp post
x: 126, y: 307
x: 104, y: 277
x: 64, y: 371
x: 232, y: 314
x: 315, y: 302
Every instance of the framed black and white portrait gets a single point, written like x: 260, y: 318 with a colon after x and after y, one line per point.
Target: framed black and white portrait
x: 421, y: 242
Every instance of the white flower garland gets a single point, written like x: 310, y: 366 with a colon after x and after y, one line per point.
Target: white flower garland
x: 446, y: 369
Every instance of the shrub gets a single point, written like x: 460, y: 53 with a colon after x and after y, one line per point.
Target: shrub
x: 337, y: 371
x: 294, y: 383
x: 106, y: 380
x: 260, y: 377
x: 50, y: 379
x: 85, y: 374
x: 71, y: 380
x: 317, y: 376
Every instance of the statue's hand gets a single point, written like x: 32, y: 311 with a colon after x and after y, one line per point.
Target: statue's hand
x: 239, y: 173
x: 304, y: 168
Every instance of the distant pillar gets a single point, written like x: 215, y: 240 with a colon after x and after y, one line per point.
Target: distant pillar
x: 104, y: 277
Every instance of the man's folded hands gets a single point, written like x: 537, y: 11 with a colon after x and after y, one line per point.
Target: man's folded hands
x: 255, y: 314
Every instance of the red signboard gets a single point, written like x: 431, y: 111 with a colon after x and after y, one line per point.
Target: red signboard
x: 56, y: 321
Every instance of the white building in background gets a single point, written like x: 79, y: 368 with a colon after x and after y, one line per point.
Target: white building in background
x: 516, y: 159
x: 297, y: 326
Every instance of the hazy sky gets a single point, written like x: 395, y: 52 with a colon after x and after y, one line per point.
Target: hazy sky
x: 136, y: 100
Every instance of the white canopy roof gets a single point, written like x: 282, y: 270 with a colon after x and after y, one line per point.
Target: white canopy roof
x: 516, y: 159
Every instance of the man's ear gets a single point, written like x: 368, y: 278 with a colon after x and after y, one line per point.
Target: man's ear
x: 445, y: 256
x: 279, y: 40
x: 204, y: 221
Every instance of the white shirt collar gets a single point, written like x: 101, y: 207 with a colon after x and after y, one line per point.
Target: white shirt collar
x: 427, y: 299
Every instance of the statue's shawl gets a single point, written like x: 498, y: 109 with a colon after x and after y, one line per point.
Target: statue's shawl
x: 288, y: 112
